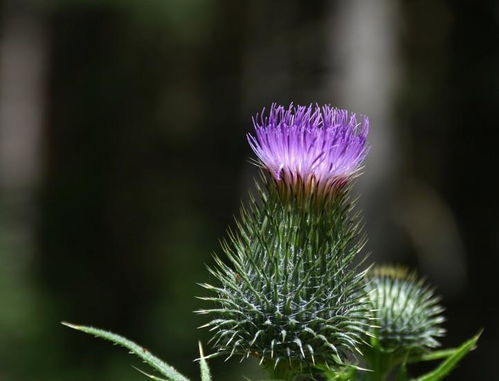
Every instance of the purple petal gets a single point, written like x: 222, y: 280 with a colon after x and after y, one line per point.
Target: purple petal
x: 310, y: 142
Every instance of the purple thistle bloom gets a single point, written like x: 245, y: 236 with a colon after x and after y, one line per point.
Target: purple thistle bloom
x: 320, y: 146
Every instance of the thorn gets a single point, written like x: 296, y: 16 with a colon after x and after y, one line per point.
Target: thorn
x: 278, y: 359
x: 283, y: 335
x: 70, y: 325
x: 201, y: 353
x: 311, y: 350
x: 298, y: 342
x: 254, y: 338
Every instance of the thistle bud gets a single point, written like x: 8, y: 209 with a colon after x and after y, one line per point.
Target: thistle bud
x: 408, y: 312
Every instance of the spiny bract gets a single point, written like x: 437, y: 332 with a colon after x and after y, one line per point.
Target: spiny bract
x: 408, y: 313
x: 291, y: 292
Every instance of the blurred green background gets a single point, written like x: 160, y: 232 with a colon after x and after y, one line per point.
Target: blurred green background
x: 123, y: 160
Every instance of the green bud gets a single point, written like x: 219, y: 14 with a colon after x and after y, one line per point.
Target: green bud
x: 407, y: 311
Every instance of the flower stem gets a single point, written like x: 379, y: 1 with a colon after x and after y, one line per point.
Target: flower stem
x: 281, y: 372
x: 379, y: 362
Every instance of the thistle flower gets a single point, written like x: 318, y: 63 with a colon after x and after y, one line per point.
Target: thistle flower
x: 290, y: 293
x: 319, y: 146
x: 408, y: 313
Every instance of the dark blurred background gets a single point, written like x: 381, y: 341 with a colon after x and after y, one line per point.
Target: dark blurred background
x: 123, y: 159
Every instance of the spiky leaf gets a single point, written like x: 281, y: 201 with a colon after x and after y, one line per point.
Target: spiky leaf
x: 451, y: 362
x: 166, y: 370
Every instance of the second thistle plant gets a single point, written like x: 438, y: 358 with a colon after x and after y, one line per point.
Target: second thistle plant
x: 290, y: 295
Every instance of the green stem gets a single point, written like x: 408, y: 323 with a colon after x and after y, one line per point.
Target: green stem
x: 281, y: 372
x: 286, y: 371
x: 380, y: 363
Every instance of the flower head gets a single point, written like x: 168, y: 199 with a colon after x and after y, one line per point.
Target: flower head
x: 408, y: 313
x: 320, y: 146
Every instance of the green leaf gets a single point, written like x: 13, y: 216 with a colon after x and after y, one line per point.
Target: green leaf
x: 450, y: 363
x: 431, y: 356
x: 166, y: 370
x: 205, y: 370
